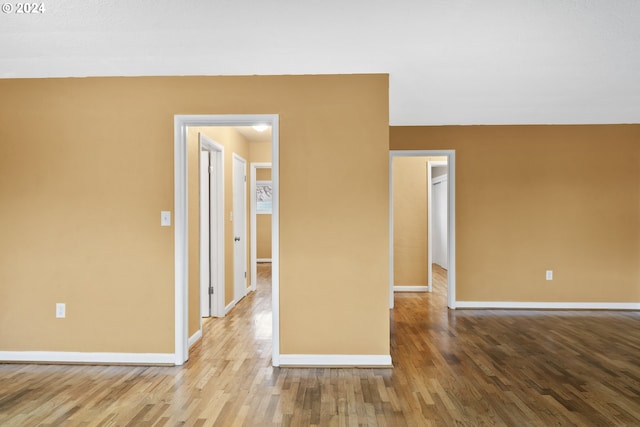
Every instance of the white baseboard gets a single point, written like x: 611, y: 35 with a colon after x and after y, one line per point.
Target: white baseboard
x: 550, y: 305
x: 263, y: 260
x: 228, y: 308
x: 336, y: 360
x: 195, y: 337
x: 88, y: 358
x: 410, y: 289
x: 233, y: 303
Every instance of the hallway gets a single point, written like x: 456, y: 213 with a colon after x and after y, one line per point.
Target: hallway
x: 463, y: 367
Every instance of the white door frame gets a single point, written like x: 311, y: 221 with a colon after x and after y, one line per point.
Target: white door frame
x: 239, y: 285
x: 430, y: 164
x: 451, y: 211
x: 181, y: 123
x: 253, y: 214
x: 216, y: 256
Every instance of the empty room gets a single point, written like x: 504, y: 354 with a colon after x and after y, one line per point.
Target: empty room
x: 320, y: 214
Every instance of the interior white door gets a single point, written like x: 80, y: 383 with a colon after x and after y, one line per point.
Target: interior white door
x: 439, y: 230
x: 212, y: 223
x: 239, y: 227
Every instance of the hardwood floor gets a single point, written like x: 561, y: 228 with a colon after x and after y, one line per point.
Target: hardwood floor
x: 464, y: 368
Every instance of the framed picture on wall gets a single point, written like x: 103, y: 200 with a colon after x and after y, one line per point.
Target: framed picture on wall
x: 263, y: 197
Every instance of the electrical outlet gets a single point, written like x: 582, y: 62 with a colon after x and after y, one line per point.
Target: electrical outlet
x: 61, y: 310
x: 549, y: 274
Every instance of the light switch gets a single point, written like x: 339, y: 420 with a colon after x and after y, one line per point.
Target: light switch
x: 61, y: 310
x: 165, y: 218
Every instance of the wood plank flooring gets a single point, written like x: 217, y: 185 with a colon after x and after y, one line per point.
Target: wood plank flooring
x: 462, y: 368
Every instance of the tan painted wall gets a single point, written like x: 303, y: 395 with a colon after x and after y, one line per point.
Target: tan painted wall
x: 263, y: 174
x: 233, y: 143
x: 260, y: 152
x: 263, y: 237
x: 86, y: 166
x: 410, y: 220
x: 532, y: 198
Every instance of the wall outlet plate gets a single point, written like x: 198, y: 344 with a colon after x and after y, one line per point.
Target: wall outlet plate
x: 61, y: 310
x: 549, y: 275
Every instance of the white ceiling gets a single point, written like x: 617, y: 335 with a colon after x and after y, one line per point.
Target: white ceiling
x: 253, y: 135
x: 450, y: 61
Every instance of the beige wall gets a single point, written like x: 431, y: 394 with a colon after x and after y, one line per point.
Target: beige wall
x: 263, y: 174
x: 87, y: 165
x: 233, y: 143
x: 263, y: 236
x: 260, y: 152
x: 531, y: 198
x: 410, y: 220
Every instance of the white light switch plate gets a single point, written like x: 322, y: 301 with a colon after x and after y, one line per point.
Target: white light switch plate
x: 165, y: 218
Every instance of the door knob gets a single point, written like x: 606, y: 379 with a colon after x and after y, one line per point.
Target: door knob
x: 236, y: 239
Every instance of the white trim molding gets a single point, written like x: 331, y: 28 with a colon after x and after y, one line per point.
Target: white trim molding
x: 410, y: 289
x: 336, y: 360
x: 263, y: 260
x: 87, y: 357
x: 229, y: 306
x: 549, y: 305
x: 197, y: 336
x: 181, y: 230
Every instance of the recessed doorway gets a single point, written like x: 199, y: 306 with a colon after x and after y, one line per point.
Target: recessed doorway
x: 449, y: 156
x: 437, y: 218
x: 260, y: 216
x: 181, y: 125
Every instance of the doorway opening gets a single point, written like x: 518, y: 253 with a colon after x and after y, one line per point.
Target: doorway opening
x: 181, y: 168
x: 261, y: 216
x: 447, y: 156
x: 437, y: 215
